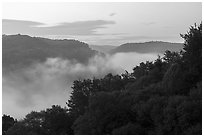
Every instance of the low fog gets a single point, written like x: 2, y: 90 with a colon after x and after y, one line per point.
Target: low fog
x: 42, y: 85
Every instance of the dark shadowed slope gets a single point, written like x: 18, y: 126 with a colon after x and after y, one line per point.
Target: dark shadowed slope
x: 102, y: 48
x: 148, y: 47
x: 19, y: 51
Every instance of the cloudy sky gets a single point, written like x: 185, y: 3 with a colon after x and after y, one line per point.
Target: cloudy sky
x: 102, y: 23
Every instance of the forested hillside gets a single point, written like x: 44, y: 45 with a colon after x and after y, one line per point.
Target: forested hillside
x: 159, y: 97
x: 19, y: 51
x: 102, y: 48
x: 148, y: 47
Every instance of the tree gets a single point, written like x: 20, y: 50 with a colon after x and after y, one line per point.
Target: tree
x: 192, y: 54
x: 79, y: 97
x: 84, y: 89
x: 142, y: 69
x: 57, y: 121
x: 173, y: 81
x: 171, y: 57
x: 51, y: 121
x: 106, y: 111
x: 7, y: 122
x: 32, y: 124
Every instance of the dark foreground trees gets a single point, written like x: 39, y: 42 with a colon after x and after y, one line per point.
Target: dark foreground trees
x: 160, y: 97
x: 52, y: 121
x: 7, y: 122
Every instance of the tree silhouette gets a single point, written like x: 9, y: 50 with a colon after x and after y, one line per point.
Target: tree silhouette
x: 7, y: 122
x: 51, y: 121
x: 192, y: 54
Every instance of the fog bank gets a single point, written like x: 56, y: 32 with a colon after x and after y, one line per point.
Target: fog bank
x: 44, y: 84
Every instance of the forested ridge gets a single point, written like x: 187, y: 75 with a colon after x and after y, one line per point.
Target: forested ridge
x: 20, y: 51
x: 159, y: 97
x: 148, y: 47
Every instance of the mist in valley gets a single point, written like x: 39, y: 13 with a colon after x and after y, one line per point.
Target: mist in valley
x: 42, y: 85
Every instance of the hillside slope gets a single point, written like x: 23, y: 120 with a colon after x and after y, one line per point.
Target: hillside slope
x: 19, y: 51
x: 148, y: 47
x: 102, y: 48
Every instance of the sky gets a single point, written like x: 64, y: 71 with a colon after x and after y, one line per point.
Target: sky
x: 102, y: 23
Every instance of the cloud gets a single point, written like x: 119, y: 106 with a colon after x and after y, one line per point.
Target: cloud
x: 67, y: 28
x: 18, y: 26
x: 78, y: 28
x: 112, y: 14
x: 43, y: 84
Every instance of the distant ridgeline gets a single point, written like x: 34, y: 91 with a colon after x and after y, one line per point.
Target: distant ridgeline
x: 148, y: 47
x: 19, y: 51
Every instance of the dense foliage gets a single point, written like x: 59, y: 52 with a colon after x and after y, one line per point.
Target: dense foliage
x: 160, y: 97
x: 7, y: 122
x: 51, y: 121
